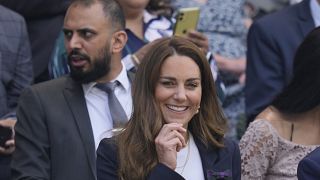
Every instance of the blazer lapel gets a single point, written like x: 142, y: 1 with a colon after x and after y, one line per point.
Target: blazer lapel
x: 208, y: 157
x: 215, y: 162
x: 305, y: 19
x: 77, y: 104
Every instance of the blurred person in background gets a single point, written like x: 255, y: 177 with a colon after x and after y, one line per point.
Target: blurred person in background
x: 15, y: 75
x: 289, y: 128
x: 44, y: 20
x: 260, y: 8
x: 146, y: 21
x: 272, y: 43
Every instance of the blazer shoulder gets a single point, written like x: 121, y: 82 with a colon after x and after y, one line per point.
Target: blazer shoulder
x: 315, y: 156
x: 230, y: 145
x: 107, y: 144
x: 309, y: 166
x: 108, y: 151
x: 107, y: 159
x: 281, y: 18
x: 230, y: 151
x: 54, y: 85
x: 9, y: 15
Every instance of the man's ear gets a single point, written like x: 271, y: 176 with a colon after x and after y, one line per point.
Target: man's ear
x: 119, y: 40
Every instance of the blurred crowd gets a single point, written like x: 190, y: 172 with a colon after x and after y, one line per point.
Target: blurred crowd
x: 262, y: 60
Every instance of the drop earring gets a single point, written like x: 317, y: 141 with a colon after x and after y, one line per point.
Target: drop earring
x: 197, y: 111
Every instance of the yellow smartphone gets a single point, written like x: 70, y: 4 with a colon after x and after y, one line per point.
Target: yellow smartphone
x: 186, y: 19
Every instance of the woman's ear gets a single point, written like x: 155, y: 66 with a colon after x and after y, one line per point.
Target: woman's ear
x: 119, y: 40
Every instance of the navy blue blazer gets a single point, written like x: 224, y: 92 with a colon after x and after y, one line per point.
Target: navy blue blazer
x: 309, y: 167
x: 213, y: 160
x: 272, y: 42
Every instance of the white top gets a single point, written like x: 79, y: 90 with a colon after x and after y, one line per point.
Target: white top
x: 193, y: 167
x: 98, y: 107
x: 315, y: 12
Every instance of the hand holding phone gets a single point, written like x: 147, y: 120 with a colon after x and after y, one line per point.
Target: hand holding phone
x: 186, y: 19
x: 5, y: 135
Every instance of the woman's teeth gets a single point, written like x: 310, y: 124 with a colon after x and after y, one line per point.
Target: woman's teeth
x: 177, y: 108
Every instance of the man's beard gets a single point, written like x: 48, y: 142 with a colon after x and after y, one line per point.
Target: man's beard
x: 100, y: 66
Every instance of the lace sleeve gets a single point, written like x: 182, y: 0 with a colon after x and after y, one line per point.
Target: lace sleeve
x: 258, y: 150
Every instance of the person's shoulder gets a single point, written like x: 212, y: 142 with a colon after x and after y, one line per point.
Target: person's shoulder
x: 315, y: 156
x: 261, y: 127
x: 109, y: 143
x: 309, y: 166
x: 279, y: 18
x: 107, y: 148
x: 53, y: 85
x: 9, y: 15
x: 260, y: 133
x: 53, y: 82
x: 230, y: 146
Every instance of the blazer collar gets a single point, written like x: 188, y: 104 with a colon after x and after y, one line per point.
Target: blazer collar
x: 75, y: 99
x: 306, y: 23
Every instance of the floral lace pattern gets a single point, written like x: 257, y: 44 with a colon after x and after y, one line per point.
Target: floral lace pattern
x: 266, y: 155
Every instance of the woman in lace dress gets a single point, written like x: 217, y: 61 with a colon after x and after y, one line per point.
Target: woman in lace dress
x: 289, y: 128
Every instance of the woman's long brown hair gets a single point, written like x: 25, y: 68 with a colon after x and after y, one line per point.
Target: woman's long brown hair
x: 136, y: 146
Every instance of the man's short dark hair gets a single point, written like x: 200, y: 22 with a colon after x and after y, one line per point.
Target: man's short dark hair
x: 112, y: 10
x: 302, y: 93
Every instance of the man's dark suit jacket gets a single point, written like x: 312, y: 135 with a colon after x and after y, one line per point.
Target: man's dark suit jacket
x: 214, y: 162
x: 54, y: 138
x: 309, y: 167
x: 272, y: 42
x: 44, y: 21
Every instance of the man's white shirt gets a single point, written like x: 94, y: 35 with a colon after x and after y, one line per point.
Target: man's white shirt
x: 315, y: 12
x: 98, y: 108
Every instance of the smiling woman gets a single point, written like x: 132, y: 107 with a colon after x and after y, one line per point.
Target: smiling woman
x: 178, y: 91
x: 177, y: 127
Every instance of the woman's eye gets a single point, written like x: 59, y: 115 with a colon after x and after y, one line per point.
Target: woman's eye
x: 192, y: 85
x: 167, y: 83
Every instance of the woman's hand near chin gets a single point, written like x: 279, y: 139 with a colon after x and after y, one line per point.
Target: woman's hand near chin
x: 168, y: 142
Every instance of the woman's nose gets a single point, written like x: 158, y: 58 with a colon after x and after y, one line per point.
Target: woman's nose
x: 180, y: 94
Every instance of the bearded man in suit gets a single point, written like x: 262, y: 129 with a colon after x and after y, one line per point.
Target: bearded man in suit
x: 61, y: 122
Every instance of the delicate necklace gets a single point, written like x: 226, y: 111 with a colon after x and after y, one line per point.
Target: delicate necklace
x: 186, y: 161
x: 292, y: 129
